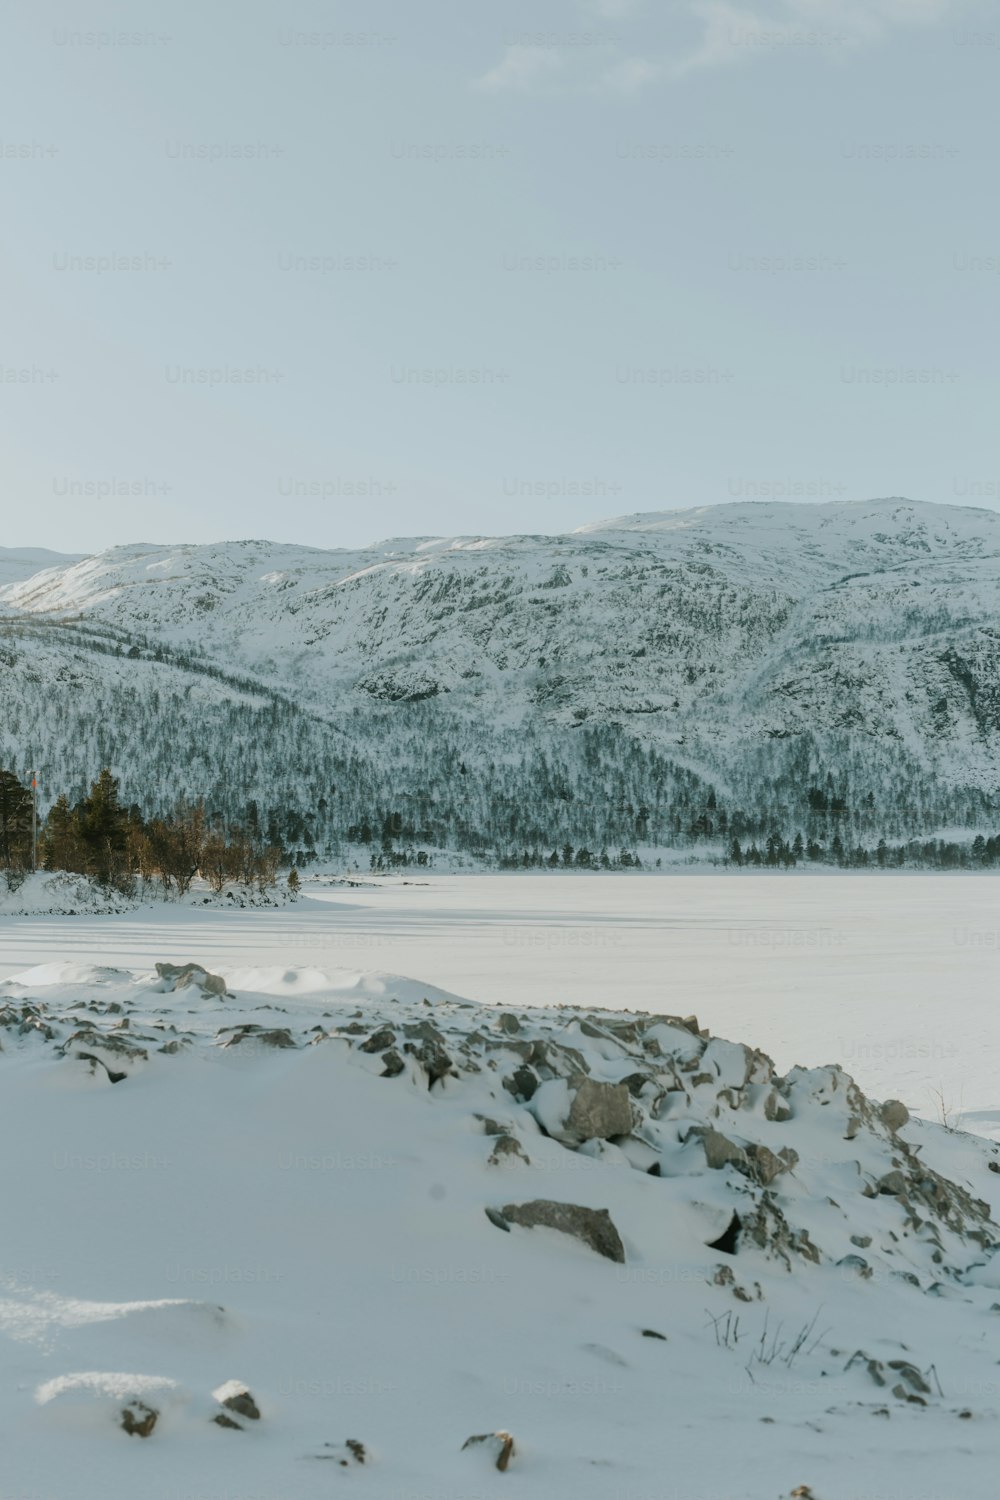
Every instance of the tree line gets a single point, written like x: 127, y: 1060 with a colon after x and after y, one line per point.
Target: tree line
x: 120, y: 848
x: 654, y: 803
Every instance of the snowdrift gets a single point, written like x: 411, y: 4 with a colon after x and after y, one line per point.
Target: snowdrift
x: 293, y: 1226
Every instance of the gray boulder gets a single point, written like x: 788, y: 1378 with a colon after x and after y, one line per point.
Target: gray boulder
x: 765, y: 1165
x: 379, y: 1040
x: 592, y: 1226
x: 181, y: 976
x: 597, y: 1111
x: 720, y: 1150
x: 894, y: 1115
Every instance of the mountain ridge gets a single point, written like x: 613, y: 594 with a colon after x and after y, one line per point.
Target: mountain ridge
x: 756, y: 647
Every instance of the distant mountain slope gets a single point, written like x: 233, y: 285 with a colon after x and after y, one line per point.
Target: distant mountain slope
x: 19, y: 563
x: 751, y: 647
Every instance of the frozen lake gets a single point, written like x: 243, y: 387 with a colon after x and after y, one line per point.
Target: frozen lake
x: 895, y: 976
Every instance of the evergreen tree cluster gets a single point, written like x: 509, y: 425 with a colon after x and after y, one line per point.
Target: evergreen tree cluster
x: 118, y: 847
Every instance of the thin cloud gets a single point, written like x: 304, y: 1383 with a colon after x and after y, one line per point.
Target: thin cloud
x: 520, y: 69
x: 733, y: 33
x: 632, y: 74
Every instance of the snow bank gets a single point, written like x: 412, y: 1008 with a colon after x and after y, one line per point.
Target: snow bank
x: 416, y: 1220
x: 57, y: 893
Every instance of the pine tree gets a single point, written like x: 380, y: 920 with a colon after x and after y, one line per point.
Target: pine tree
x: 62, y: 846
x: 103, y: 827
x: 15, y: 823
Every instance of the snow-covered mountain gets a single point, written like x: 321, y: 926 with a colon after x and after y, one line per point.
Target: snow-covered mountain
x: 18, y: 563
x: 747, y: 648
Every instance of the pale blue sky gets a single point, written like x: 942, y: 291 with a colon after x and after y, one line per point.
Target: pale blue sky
x: 493, y: 267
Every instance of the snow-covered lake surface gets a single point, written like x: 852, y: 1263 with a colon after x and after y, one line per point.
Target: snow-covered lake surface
x: 895, y: 977
x: 258, y: 1186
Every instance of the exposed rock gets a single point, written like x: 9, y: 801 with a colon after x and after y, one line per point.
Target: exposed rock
x: 725, y: 1276
x: 597, y: 1111
x: 775, y: 1108
x: 499, y: 1443
x: 764, y: 1166
x: 768, y: 1228
x: 856, y: 1263
x: 910, y: 1383
x: 181, y: 976
x: 894, y: 1115
x: 279, y: 1037
x: 379, y: 1040
x: 113, y: 1043
x: 429, y: 1051
x: 593, y: 1226
x: 636, y: 1083
x: 238, y: 1402
x: 506, y: 1152
x: 138, y: 1419
x: 522, y: 1083
x: 728, y: 1241
x: 719, y: 1150
x: 25, y: 1019
x: 345, y: 1454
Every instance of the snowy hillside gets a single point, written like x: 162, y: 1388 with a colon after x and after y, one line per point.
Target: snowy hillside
x: 19, y: 563
x: 746, y: 649
x: 387, y: 1220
